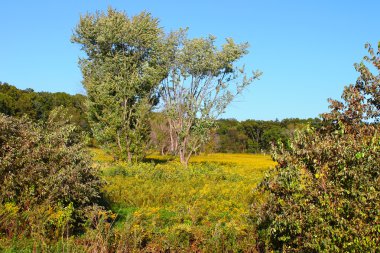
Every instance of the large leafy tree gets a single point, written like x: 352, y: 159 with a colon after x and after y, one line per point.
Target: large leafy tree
x: 202, y: 81
x: 121, y: 71
x: 324, y: 194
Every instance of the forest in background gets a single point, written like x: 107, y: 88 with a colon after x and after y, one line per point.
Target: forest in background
x: 230, y: 135
x: 38, y: 105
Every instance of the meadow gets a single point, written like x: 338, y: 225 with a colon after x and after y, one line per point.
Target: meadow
x: 160, y: 205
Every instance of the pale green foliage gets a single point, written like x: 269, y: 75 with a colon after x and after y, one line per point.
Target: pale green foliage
x: 202, y: 81
x: 123, y: 67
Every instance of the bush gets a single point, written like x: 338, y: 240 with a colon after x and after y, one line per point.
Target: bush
x: 46, y: 175
x: 324, y: 194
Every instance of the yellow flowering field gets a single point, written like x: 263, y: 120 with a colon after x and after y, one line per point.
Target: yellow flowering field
x: 163, y: 206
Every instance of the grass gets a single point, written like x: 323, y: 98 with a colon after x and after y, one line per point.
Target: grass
x: 160, y: 206
x: 163, y: 206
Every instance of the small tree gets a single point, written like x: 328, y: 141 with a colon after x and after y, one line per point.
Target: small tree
x: 123, y: 67
x: 324, y: 194
x: 202, y: 82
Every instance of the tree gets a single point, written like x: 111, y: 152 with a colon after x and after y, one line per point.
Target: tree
x: 324, y: 194
x: 6, y: 104
x: 123, y: 67
x: 202, y: 81
x: 231, y: 136
x: 159, y: 139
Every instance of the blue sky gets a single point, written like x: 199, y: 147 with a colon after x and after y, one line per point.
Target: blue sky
x: 305, y: 49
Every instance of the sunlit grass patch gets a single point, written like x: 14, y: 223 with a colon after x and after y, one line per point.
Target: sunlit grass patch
x: 100, y: 155
x: 163, y: 205
x: 242, y: 159
x: 244, y: 164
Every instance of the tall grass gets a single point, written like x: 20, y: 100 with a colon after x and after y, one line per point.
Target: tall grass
x: 164, y: 206
x: 160, y: 206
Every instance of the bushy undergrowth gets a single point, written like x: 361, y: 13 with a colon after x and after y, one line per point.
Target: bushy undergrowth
x: 47, y: 182
x: 324, y: 195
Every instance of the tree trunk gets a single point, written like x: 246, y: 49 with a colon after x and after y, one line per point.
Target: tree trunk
x: 173, y: 146
x: 162, y: 150
x: 129, y: 156
x: 182, y: 157
x: 129, y: 153
x: 119, y: 144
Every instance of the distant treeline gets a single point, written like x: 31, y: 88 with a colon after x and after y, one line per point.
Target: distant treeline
x: 230, y: 136
x: 254, y: 136
x: 38, y: 105
x: 233, y: 136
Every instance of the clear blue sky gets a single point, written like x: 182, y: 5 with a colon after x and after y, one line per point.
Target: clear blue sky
x: 306, y: 49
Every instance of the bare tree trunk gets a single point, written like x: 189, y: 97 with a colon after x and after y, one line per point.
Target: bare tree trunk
x: 129, y: 156
x: 172, y: 141
x: 184, y: 152
x: 172, y: 149
x: 119, y: 143
x: 163, y: 150
x: 188, y: 158
x: 182, y: 157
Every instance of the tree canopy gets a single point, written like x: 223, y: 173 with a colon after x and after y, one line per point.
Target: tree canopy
x: 121, y: 71
x: 202, y: 81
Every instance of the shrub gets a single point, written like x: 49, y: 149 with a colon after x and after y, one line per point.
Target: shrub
x: 324, y: 194
x: 46, y: 175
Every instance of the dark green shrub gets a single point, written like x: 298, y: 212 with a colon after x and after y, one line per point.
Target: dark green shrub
x: 46, y: 176
x: 324, y: 195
